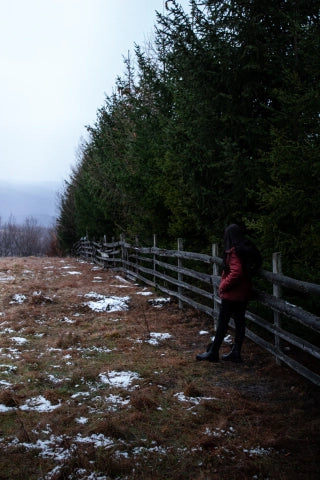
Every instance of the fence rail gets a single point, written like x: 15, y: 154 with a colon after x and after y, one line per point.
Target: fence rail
x: 193, y: 279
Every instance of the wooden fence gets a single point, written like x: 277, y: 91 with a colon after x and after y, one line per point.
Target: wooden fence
x: 286, y: 330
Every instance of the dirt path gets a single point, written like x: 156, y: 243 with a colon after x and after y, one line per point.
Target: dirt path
x: 99, y: 381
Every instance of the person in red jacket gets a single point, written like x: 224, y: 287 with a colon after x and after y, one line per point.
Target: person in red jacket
x: 235, y: 291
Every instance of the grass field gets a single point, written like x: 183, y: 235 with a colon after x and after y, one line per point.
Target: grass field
x: 99, y: 381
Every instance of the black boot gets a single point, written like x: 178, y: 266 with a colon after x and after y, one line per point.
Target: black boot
x: 234, y: 355
x: 211, y: 355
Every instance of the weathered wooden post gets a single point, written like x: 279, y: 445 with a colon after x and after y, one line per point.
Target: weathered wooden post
x: 137, y: 255
x: 277, y: 268
x: 215, y: 272
x: 180, y: 276
x: 154, y: 260
x: 122, y: 249
x: 113, y: 255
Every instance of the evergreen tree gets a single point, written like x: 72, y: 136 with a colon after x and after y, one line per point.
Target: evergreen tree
x: 218, y: 122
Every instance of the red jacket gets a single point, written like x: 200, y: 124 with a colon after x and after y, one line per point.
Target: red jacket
x: 235, y: 284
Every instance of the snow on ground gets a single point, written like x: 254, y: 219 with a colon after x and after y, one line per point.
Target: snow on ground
x: 159, y: 301
x: 54, y: 447
x: 18, y: 298
x: 103, y: 303
x: 156, y: 338
x: 119, y: 379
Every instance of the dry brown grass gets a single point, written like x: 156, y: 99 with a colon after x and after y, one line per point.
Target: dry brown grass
x: 179, y: 419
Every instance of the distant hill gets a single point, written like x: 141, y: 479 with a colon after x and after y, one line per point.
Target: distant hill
x: 37, y: 200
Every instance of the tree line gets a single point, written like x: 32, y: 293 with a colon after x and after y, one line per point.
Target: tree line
x: 215, y: 120
x: 28, y: 238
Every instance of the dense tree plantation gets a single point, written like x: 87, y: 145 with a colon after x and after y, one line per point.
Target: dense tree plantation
x: 216, y: 121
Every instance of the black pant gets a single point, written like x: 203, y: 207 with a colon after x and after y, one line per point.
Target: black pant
x: 236, y: 310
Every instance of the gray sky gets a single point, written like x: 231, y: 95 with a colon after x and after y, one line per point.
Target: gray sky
x: 59, y: 58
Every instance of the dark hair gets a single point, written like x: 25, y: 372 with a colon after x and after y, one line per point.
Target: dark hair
x: 248, y: 253
x: 233, y: 236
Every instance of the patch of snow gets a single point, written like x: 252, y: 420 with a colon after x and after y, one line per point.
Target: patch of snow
x: 159, y: 302
x: 5, y: 384
x: 98, y: 440
x: 7, y: 330
x: 121, y: 279
x: 56, y: 380
x: 107, y: 304
x: 120, y: 286
x: 97, y: 280
x: 119, y: 379
x: 5, y: 409
x: 82, y: 420
x: 67, y: 320
x: 195, y: 400
x: 12, y: 353
x: 219, y: 432
x: 39, y: 404
x: 203, y: 332
x: 258, y: 451
x: 19, y: 340
x: 155, y: 338
x: 98, y: 349
x: 80, y: 394
x: 143, y: 450
x: 7, y: 369
x: 145, y: 294
x: 18, y: 298
x: 116, y: 400
x: 39, y: 294
x: 6, y: 278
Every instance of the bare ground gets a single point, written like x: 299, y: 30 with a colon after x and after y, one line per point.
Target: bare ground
x: 62, y: 418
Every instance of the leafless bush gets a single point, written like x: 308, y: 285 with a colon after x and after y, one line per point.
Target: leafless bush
x: 26, y: 239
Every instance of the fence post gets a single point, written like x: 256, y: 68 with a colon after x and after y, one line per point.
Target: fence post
x: 122, y: 249
x: 215, y: 271
x: 277, y: 268
x: 137, y: 259
x: 154, y: 259
x: 180, y: 276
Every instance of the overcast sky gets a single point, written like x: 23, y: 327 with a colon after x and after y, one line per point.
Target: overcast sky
x: 59, y: 58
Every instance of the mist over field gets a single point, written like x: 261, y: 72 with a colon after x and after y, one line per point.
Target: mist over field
x: 37, y: 200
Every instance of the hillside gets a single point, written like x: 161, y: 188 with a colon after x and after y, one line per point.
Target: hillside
x: 100, y: 381
x: 37, y: 200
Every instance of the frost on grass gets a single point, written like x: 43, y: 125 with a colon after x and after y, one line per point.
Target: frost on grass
x: 155, y: 338
x: 103, y: 303
x: 194, y: 400
x: 219, y: 432
x: 258, y: 451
